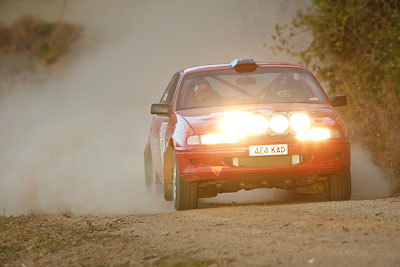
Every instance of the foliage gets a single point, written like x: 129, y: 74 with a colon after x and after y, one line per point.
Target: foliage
x: 45, y: 41
x: 29, y: 44
x: 355, y: 49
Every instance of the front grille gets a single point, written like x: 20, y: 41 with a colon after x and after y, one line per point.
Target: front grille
x: 283, y: 137
x: 265, y: 161
x: 261, y: 138
x: 253, y: 139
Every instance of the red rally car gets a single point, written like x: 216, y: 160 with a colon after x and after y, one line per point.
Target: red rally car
x: 246, y: 125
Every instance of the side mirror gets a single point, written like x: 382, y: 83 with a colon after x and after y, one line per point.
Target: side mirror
x: 160, y: 109
x: 338, y: 101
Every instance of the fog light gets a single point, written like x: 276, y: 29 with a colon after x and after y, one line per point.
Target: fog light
x: 300, y: 122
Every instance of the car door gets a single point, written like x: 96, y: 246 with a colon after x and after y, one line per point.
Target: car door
x: 159, y: 127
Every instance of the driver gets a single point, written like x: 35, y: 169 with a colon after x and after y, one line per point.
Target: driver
x: 285, y: 90
x: 282, y: 90
x: 202, y: 92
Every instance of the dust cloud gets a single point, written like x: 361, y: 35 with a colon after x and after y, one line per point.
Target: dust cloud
x: 72, y: 140
x: 367, y: 180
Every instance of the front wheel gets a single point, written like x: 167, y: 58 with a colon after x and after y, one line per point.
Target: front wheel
x: 184, y: 193
x: 339, y: 186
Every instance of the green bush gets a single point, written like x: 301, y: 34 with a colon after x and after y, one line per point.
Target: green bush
x: 355, y: 49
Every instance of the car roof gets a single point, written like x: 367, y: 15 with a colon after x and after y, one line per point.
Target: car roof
x: 229, y: 66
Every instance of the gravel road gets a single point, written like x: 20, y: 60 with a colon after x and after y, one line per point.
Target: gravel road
x: 348, y: 233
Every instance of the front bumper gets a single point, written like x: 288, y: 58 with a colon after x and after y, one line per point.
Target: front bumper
x: 318, y: 159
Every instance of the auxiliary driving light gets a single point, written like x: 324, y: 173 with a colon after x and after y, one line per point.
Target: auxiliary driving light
x: 300, y: 122
x: 279, y: 123
x: 238, y: 124
x: 257, y: 124
x: 233, y: 124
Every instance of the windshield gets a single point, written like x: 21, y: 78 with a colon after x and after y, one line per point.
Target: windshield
x: 265, y: 85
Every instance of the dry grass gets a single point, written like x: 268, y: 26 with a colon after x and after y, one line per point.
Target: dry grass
x: 33, y: 235
x: 85, y: 241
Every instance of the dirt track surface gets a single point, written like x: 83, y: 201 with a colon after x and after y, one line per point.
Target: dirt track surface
x: 351, y: 233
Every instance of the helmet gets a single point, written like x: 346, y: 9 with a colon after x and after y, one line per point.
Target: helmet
x: 202, y: 90
x: 285, y: 88
x: 201, y: 87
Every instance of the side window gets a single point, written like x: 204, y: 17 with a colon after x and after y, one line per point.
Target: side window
x: 170, y: 91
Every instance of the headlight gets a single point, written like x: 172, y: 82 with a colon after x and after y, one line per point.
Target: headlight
x: 314, y: 134
x: 210, y: 139
x: 279, y: 123
x: 300, y: 122
x: 232, y: 124
x: 193, y: 140
x: 238, y: 124
x: 215, y: 138
x: 257, y: 124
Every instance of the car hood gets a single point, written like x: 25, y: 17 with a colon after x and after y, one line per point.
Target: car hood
x: 206, y: 120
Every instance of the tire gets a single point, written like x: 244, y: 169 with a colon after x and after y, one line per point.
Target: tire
x: 149, y: 172
x: 339, y: 187
x: 184, y: 193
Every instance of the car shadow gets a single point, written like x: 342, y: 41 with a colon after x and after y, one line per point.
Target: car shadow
x: 263, y: 197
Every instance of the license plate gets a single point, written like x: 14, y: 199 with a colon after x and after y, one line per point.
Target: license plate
x: 268, y: 150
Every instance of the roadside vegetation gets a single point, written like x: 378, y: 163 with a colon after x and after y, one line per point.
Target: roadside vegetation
x: 25, y: 236
x: 83, y: 241
x: 355, y: 50
x: 29, y: 44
